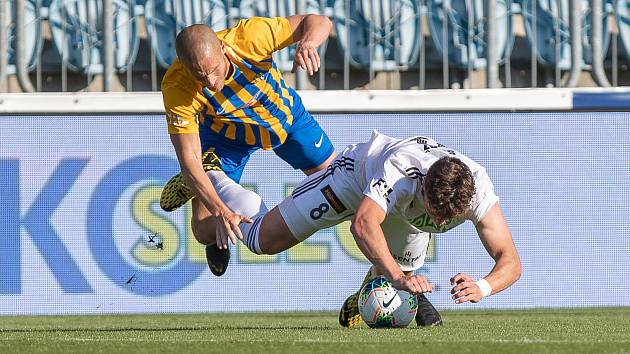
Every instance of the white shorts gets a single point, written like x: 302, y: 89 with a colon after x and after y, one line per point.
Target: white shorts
x: 330, y: 197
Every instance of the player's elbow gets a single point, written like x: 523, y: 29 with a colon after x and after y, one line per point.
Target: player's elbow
x: 321, y: 21
x: 514, y: 268
x: 327, y: 23
x: 518, y: 268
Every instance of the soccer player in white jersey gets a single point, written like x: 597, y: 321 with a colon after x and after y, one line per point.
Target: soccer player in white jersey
x: 397, y: 193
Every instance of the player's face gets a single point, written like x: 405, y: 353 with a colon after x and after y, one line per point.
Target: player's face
x: 211, y: 71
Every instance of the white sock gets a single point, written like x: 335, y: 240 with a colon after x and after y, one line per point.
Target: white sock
x: 243, y: 202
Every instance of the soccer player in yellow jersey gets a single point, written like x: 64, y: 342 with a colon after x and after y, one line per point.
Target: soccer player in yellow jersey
x: 224, y: 99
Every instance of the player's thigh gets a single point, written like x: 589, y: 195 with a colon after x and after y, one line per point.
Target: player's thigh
x: 307, y: 146
x: 274, y: 235
x: 406, y: 244
x: 317, y: 203
x: 202, y: 223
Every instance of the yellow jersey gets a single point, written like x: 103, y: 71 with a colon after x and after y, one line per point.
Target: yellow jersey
x: 255, y: 105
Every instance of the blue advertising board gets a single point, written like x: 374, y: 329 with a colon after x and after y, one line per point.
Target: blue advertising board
x: 79, y: 207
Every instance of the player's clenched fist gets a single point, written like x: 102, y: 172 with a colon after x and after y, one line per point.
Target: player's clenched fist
x: 414, y: 284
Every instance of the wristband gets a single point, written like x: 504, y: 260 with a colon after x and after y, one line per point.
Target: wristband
x: 484, y: 286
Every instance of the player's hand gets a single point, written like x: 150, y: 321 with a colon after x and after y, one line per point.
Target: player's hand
x: 413, y: 284
x: 307, y: 58
x: 465, y: 289
x: 227, y: 227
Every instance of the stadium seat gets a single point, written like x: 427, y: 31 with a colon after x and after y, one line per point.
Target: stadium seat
x: 32, y: 31
x: 457, y: 21
x: 552, y: 14
x: 385, y: 35
x: 165, y: 18
x: 77, y: 32
x: 622, y: 12
x: 278, y: 8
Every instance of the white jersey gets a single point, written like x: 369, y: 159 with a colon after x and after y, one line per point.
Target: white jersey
x: 390, y: 172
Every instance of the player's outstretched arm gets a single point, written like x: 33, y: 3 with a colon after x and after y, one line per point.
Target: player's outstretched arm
x: 311, y: 31
x: 496, y: 237
x: 367, y: 232
x: 188, y: 149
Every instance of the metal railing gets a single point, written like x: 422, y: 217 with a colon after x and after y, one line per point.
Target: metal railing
x: 463, y: 38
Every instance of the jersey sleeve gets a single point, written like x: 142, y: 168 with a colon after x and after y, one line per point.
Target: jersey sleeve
x: 259, y: 37
x: 484, y: 197
x: 181, y: 104
x: 389, y: 186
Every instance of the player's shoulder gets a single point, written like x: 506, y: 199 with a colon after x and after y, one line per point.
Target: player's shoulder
x: 251, y: 29
x: 177, y: 81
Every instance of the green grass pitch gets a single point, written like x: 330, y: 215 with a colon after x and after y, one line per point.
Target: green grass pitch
x: 598, y: 330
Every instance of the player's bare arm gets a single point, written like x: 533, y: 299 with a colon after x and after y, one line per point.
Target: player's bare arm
x: 188, y: 150
x: 367, y: 232
x: 496, y: 237
x: 311, y: 31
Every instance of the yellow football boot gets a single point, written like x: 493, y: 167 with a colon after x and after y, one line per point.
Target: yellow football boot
x: 349, y: 314
x: 176, y: 193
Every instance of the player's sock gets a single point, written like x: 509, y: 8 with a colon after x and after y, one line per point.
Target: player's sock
x: 244, y: 202
x: 349, y: 315
x: 427, y: 315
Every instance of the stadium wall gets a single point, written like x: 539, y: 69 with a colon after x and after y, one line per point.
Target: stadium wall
x: 80, y: 177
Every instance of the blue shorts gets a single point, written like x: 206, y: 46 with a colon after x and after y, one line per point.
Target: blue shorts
x: 306, y: 146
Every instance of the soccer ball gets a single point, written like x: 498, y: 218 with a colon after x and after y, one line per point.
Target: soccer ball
x: 383, y: 306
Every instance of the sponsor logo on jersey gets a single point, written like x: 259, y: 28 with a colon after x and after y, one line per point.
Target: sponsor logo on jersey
x: 407, y: 258
x: 174, y: 119
x: 425, y: 223
x: 382, y: 188
x: 333, y: 200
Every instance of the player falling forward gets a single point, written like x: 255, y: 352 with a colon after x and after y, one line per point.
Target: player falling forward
x: 397, y: 193
x: 225, y: 94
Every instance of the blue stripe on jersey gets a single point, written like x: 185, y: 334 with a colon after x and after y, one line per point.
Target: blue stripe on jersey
x: 263, y: 98
x: 237, y: 102
x: 239, y: 133
x: 223, y: 130
x: 216, y: 106
x: 267, y: 103
x: 238, y: 123
x: 258, y: 139
x: 253, y: 67
x: 278, y: 89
